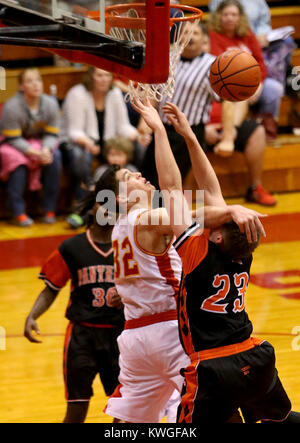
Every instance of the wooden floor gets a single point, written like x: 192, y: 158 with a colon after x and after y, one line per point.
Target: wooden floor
x: 31, y: 383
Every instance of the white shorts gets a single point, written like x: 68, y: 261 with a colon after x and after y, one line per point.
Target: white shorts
x: 150, y: 360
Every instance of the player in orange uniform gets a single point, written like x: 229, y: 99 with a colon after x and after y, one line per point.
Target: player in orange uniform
x: 229, y: 369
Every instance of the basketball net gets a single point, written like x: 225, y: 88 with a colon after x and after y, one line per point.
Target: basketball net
x: 180, y: 35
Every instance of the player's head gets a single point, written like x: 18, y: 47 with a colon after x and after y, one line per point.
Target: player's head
x: 31, y: 83
x: 232, y: 241
x: 89, y: 206
x: 129, y: 188
x: 230, y: 17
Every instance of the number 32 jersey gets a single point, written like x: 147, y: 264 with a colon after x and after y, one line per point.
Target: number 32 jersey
x: 147, y: 283
x: 211, y: 301
x: 90, y: 267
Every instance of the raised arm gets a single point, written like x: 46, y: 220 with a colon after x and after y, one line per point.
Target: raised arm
x: 168, y: 173
x: 203, y: 171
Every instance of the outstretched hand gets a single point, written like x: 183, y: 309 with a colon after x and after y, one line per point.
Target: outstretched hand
x: 148, y: 112
x: 177, y: 119
x: 248, y: 221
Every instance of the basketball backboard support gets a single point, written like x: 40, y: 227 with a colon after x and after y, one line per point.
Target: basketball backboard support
x: 81, y: 36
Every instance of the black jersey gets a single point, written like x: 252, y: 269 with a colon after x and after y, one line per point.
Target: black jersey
x: 90, y: 267
x: 211, y: 301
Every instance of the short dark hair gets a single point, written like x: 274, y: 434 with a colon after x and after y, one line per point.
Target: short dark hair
x: 108, y: 181
x: 235, y: 243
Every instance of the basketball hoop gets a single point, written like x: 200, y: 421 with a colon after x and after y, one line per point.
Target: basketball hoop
x: 128, y: 22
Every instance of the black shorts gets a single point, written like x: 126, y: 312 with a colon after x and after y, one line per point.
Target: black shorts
x: 216, y: 389
x: 90, y: 351
x: 244, y: 132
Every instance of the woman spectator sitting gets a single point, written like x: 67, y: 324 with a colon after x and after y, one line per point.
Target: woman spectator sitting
x: 230, y: 29
x: 30, y: 129
x: 92, y: 112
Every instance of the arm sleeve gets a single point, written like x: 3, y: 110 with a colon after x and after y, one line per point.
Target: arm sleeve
x: 258, y: 55
x: 217, y: 44
x: 192, y: 248
x: 12, y: 128
x: 263, y: 25
x: 55, y: 272
x: 52, y: 127
x: 74, y: 110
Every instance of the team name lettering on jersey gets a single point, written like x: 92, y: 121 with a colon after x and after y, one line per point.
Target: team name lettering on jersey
x: 95, y: 274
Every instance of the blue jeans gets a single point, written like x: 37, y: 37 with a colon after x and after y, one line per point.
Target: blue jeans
x: 79, y: 164
x: 270, y: 99
x: 50, y: 178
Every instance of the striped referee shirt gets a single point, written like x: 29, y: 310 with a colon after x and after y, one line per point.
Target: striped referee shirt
x: 193, y: 94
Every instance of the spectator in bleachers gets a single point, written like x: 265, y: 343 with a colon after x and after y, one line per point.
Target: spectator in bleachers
x: 229, y: 29
x: 93, y: 112
x: 30, y: 127
x: 250, y: 140
x: 258, y: 14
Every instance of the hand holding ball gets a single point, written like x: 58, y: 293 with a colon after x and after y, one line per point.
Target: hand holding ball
x: 235, y: 75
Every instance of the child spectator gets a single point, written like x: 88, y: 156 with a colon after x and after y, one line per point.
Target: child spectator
x: 117, y: 151
x: 30, y: 129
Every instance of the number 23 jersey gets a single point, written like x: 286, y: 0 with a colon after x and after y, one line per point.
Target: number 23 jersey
x: 211, y: 301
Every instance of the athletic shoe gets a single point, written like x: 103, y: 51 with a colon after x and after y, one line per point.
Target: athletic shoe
x: 23, y: 221
x: 75, y: 221
x: 257, y: 194
x: 49, y: 218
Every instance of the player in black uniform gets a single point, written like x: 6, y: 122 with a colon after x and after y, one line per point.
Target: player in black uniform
x: 230, y: 369
x: 94, y: 310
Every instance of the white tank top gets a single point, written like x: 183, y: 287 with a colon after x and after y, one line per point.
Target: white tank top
x: 147, y: 283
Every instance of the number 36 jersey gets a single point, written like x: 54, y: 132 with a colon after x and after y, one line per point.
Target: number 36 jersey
x: 147, y: 283
x: 90, y: 267
x: 211, y: 301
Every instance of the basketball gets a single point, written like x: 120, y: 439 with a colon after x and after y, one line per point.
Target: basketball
x: 235, y: 75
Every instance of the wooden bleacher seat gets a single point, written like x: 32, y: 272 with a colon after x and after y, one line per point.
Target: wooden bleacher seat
x: 281, y: 172
x: 286, y: 16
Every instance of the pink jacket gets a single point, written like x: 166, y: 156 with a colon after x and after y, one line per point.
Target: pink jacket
x: 11, y: 159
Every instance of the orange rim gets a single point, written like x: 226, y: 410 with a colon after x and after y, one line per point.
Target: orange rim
x: 140, y: 22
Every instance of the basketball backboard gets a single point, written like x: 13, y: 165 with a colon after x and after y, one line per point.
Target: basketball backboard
x: 78, y: 31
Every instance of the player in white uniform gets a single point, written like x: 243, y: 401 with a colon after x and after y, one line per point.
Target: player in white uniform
x: 147, y: 276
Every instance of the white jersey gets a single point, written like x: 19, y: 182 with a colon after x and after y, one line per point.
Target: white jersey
x: 147, y: 282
